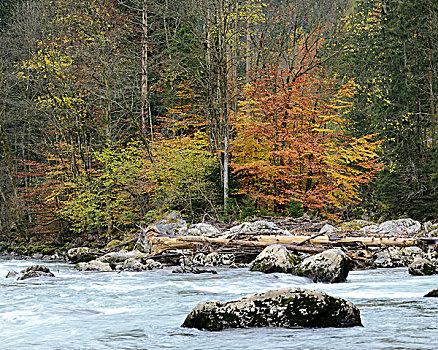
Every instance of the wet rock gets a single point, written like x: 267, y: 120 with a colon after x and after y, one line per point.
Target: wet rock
x: 288, y: 308
x: 115, y: 258
x: 172, y: 225
x: 213, y: 259
x: 81, y: 254
x: 432, y: 294
x: 203, y: 229
x: 422, y: 267
x: 395, y: 227
x: 153, y: 265
x: 131, y: 264
x: 330, y: 266
x: 260, y: 227
x: 94, y: 265
x: 35, y: 271
x: 12, y: 274
x: 274, y: 258
x: 193, y: 269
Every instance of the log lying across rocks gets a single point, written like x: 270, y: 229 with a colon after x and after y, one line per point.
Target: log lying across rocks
x: 159, y: 244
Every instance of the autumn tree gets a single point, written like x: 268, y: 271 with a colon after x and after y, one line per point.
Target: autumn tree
x: 291, y: 144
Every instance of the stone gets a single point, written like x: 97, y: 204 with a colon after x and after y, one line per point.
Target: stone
x: 172, y: 225
x: 228, y: 259
x: 422, y: 267
x: 261, y: 227
x: 203, y: 229
x: 331, y: 266
x: 432, y: 294
x: 212, y: 259
x: 388, y: 258
x: 131, y: 264
x: 395, y: 227
x: 35, y: 271
x: 288, y: 308
x: 153, y: 265
x: 327, y: 228
x: 94, y: 265
x: 274, y: 258
x: 81, y: 254
x: 12, y: 274
x: 114, y: 258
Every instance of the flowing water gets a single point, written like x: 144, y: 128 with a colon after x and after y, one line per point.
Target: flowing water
x: 128, y: 310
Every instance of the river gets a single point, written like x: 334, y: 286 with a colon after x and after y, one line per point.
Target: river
x: 144, y: 310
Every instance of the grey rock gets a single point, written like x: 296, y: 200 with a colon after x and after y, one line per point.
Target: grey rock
x: 203, y: 229
x: 274, y: 258
x: 395, y: 227
x: 153, y: 265
x: 330, y: 266
x: 94, y: 265
x: 261, y: 226
x: 422, y: 267
x: 213, y: 259
x: 131, y: 264
x: 228, y: 259
x: 35, y: 271
x: 397, y: 257
x: 327, y: 228
x: 81, y: 254
x: 432, y: 294
x: 288, y: 308
x: 114, y: 258
x: 173, y: 224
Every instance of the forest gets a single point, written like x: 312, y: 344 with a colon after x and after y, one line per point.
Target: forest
x: 115, y: 112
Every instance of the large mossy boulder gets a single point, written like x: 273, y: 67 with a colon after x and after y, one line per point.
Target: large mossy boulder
x: 288, y: 308
x: 331, y: 266
x: 274, y: 258
x: 35, y: 271
x: 422, y: 267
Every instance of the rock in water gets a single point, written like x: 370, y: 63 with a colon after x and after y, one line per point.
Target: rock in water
x: 433, y: 293
x: 330, y: 266
x: 288, y: 308
x: 81, y: 254
x: 94, y: 265
x: 274, y: 258
x: 422, y: 267
x: 35, y: 271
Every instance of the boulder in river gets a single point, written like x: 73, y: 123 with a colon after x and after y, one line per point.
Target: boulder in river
x: 94, y: 265
x: 274, y: 258
x: 288, y: 308
x: 35, y: 271
x: 422, y: 267
x: 331, y: 266
x: 114, y: 258
x: 193, y: 269
x: 81, y: 254
x: 432, y: 294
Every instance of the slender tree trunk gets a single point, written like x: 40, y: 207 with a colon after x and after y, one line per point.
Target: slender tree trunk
x: 145, y: 110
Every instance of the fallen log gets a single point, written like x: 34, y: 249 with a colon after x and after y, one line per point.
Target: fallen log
x: 321, y: 240
x: 159, y: 244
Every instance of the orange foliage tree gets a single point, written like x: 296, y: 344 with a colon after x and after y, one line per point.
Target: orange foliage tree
x: 291, y: 144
